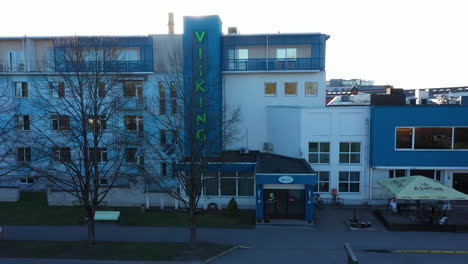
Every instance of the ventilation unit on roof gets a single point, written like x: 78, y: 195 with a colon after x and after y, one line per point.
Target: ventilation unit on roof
x: 244, y: 151
x: 232, y: 30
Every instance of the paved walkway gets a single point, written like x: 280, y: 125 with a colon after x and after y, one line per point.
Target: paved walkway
x: 321, y: 244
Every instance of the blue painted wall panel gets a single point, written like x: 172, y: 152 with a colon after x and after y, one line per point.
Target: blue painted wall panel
x: 384, y: 120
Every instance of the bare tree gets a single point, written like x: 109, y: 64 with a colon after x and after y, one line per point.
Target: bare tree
x: 78, y: 146
x: 177, y: 143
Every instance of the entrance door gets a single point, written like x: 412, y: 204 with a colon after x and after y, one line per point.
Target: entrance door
x: 284, y: 203
x: 460, y: 182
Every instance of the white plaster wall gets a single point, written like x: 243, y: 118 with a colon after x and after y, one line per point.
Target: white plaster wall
x: 284, y: 130
x: 247, y: 91
x: 9, y: 194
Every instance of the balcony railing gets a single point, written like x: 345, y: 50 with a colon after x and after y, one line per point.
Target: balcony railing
x: 65, y: 66
x: 273, y: 64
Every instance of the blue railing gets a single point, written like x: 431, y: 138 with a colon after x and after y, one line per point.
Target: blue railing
x: 273, y: 64
x: 108, y: 66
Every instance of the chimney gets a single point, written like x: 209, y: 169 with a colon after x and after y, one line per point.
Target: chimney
x: 171, y: 23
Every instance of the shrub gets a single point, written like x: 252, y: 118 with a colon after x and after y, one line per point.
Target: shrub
x: 232, y: 208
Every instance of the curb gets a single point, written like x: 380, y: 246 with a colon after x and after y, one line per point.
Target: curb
x: 223, y: 253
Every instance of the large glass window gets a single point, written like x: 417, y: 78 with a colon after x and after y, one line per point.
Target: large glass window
x: 229, y: 183
x: 133, y: 88
x: 396, y: 173
x: 319, y: 152
x: 350, y: 152
x: 245, y: 184
x: 349, y: 181
x: 432, y: 174
x: 433, y: 138
x: 323, y: 182
x: 404, y: 138
x: 460, y: 138
x: 286, y: 53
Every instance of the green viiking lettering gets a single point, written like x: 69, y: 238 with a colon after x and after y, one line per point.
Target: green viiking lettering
x: 200, y: 53
x: 200, y: 102
x: 200, y: 70
x: 200, y: 36
x: 201, y: 135
x: 199, y: 86
x: 201, y: 118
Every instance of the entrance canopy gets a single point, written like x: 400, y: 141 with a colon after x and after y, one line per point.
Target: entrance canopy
x: 420, y: 188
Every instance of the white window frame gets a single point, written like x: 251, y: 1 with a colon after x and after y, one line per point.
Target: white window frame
x: 55, y: 87
x: 285, y: 93
x: 265, y: 88
x: 236, y: 177
x: 349, y: 182
x: 20, y: 122
x: 414, y: 139
x: 23, y: 157
x: 27, y: 180
x: 314, y: 88
x: 317, y: 188
x: 319, y: 152
x: 21, y: 89
x: 350, y: 152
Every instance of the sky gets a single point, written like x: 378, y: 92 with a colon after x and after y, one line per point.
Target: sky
x: 404, y: 43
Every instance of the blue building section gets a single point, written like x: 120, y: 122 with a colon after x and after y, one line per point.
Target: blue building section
x: 385, y: 120
x: 143, y: 44
x: 202, y: 84
x: 264, y: 56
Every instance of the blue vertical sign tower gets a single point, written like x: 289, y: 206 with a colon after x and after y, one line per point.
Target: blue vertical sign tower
x: 202, y: 84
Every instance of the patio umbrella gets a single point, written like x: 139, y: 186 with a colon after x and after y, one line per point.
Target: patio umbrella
x: 420, y: 188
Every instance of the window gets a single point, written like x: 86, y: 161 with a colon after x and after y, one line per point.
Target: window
x: 238, y: 59
x: 173, y: 98
x: 130, y: 155
x: 134, y: 122
x: 460, y: 138
x: 173, y: 90
x: 270, y: 88
x: 21, y: 89
x: 57, y: 89
x: 173, y: 106
x: 286, y: 53
x: 396, y: 173
x: 22, y: 122
x: 229, y: 183
x: 404, y: 138
x: 60, y: 122
x: 98, y: 122
x: 319, y: 152
x: 62, y: 154
x: 101, y: 89
x: 432, y: 174
x: 162, y: 137
x: 350, y: 152
x: 323, y: 182
x: 27, y: 180
x: 162, y: 98
x: 164, y: 169
x: 348, y: 181
x: 133, y: 88
x: 16, y: 60
x: 130, y: 54
x: 174, y: 136
x: 103, y: 182
x: 98, y: 154
x: 433, y: 138
x: 24, y: 154
x: 310, y: 88
x: 290, y: 88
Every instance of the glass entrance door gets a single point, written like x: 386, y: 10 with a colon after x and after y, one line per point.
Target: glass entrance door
x: 460, y: 182
x: 284, y: 203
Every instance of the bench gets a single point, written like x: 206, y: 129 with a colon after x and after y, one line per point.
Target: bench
x: 107, y: 216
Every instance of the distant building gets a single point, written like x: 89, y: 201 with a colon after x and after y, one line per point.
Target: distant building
x: 337, y: 87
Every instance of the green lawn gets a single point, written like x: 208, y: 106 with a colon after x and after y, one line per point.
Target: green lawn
x: 32, y: 209
x: 109, y: 250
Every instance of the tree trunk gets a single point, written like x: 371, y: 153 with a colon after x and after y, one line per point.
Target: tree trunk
x: 193, y: 228
x: 91, y: 229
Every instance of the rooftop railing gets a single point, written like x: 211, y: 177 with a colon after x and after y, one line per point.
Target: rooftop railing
x: 272, y: 64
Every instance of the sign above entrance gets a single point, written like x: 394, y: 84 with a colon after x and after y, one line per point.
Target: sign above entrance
x: 285, y: 179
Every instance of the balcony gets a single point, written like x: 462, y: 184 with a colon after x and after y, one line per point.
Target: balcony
x: 108, y: 66
x: 272, y: 64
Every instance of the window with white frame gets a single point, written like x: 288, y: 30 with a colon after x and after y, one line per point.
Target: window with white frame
x: 286, y: 53
x: 24, y: 154
x: 21, y: 89
x: 349, y: 181
x: 98, y: 154
x: 445, y: 138
x: 133, y: 88
x: 432, y: 174
x: 22, y: 122
x: 270, y: 89
x: 319, y: 152
x: 131, y: 155
x: 228, y: 183
x: 57, y: 89
x: 128, y: 54
x: 62, y: 154
x: 60, y: 122
x: 134, y: 122
x: 310, y: 88
x: 16, y: 60
x: 238, y: 59
x: 323, y: 182
x: 290, y: 88
x: 350, y: 152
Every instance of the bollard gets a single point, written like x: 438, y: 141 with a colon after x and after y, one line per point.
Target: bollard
x: 352, y: 259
